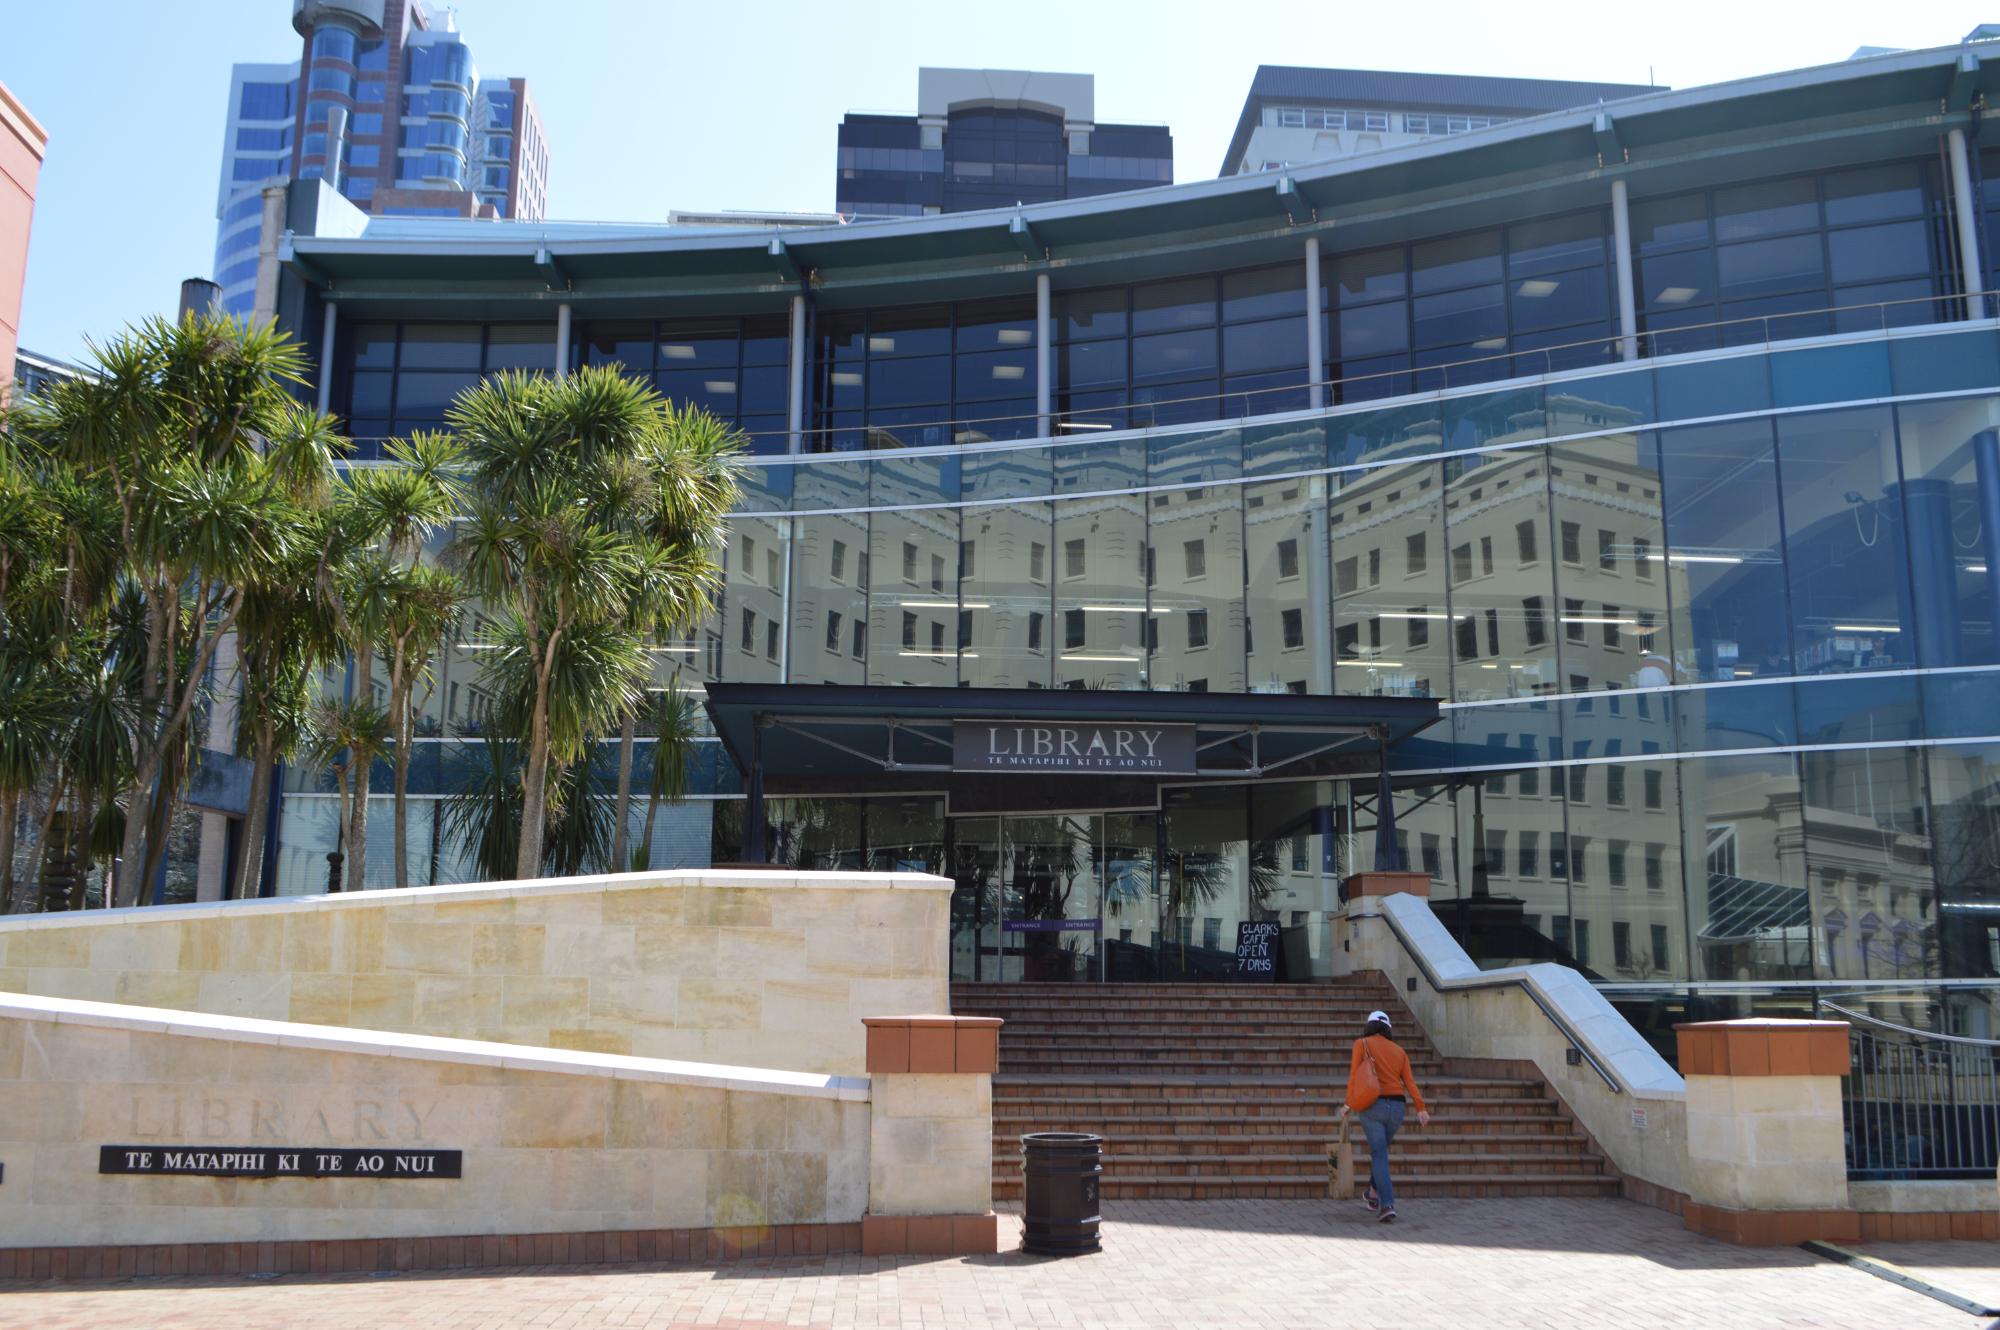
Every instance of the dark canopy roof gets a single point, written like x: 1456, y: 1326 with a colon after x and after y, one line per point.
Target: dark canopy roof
x: 817, y: 731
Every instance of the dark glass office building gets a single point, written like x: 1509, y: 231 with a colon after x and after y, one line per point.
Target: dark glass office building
x: 1629, y: 477
x: 985, y: 138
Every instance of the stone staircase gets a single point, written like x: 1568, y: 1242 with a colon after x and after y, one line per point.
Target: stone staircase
x: 1231, y: 1090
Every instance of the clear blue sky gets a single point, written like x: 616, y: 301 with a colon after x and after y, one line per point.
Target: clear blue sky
x: 659, y: 104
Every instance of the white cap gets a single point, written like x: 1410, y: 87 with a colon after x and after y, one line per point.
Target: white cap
x: 1381, y: 1016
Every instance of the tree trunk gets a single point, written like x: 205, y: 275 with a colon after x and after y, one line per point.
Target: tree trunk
x: 357, y: 832
x: 10, y: 807
x: 646, y: 837
x: 138, y: 812
x: 627, y: 737
x: 159, y: 829
x: 43, y: 847
x: 399, y: 711
x: 256, y: 822
x: 534, y: 786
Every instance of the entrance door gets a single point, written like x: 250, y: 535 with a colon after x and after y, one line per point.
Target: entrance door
x: 1054, y: 897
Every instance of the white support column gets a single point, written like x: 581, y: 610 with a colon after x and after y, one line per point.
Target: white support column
x: 326, y: 330
x: 795, y: 408
x: 1044, y: 358
x: 562, y: 339
x: 1315, y: 340
x: 1968, y: 233
x: 1621, y: 241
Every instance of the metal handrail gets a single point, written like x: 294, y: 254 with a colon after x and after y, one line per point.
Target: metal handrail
x: 1436, y: 983
x: 1934, y: 1035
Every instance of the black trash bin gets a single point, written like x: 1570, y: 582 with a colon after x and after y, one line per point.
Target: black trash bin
x: 1061, y: 1171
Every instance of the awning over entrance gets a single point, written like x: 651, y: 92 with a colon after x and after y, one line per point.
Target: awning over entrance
x: 791, y: 737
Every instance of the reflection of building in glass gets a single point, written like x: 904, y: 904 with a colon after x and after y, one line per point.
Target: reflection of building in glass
x: 1699, y: 578
x: 385, y: 104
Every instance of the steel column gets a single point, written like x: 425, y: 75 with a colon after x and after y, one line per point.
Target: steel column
x: 1621, y: 241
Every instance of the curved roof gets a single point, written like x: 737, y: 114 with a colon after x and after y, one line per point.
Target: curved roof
x: 1850, y: 113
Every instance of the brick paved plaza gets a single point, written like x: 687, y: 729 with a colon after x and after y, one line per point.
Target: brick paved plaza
x: 1532, y: 1262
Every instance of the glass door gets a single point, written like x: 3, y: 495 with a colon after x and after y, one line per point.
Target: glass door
x: 1128, y: 857
x: 975, y: 898
x: 1051, y: 896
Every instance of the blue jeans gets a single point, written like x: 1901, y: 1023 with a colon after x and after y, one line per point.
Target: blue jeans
x: 1380, y: 1121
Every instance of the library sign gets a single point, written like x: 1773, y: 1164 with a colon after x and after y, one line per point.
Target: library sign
x: 252, y: 1161
x: 1073, y: 746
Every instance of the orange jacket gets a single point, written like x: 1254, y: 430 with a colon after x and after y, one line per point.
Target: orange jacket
x: 1392, y: 1068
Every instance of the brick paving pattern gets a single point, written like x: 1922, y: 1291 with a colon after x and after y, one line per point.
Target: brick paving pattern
x: 1543, y: 1262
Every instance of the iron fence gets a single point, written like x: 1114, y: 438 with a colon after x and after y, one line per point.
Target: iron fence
x: 1917, y: 1104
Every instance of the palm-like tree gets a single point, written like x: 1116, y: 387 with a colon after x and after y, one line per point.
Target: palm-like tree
x: 672, y: 716
x: 347, y: 737
x: 571, y: 502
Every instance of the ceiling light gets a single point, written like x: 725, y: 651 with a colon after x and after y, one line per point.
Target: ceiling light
x: 676, y: 651
x: 1010, y: 371
x: 1537, y: 288
x: 719, y: 385
x: 1125, y: 609
x: 1701, y: 558
x: 1867, y: 628
x: 846, y: 378
x: 1975, y: 568
x: 1597, y: 618
x: 944, y: 605
x: 1489, y: 344
x: 1379, y: 664
x: 881, y: 344
x: 1016, y: 336
x: 939, y: 655
x: 1413, y: 614
x: 1489, y: 667
x: 674, y: 351
x: 1676, y: 295
x: 1079, y: 424
x: 1106, y: 660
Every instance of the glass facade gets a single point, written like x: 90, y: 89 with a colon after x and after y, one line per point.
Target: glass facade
x: 986, y: 157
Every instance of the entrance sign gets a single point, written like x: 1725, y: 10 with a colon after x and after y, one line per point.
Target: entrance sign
x: 1257, y: 951
x: 1053, y: 745
x: 257, y: 1161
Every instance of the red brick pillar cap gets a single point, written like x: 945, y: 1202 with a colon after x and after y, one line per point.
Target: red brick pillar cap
x: 1388, y: 884
x: 1762, y: 1047
x: 961, y: 1045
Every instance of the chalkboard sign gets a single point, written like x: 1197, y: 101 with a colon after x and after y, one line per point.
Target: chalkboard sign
x: 1257, y: 952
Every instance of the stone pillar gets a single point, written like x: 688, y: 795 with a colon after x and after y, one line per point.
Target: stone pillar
x: 930, y: 1135
x: 1767, y: 1155
x: 1361, y: 940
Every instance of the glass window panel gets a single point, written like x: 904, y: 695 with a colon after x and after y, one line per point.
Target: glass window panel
x: 1713, y: 387
x: 1858, y: 710
x: 1944, y: 362
x: 999, y: 418
x: 713, y: 390
x: 1769, y: 267
x: 1186, y: 303
x: 1555, y: 245
x: 1287, y: 597
x: 1106, y: 595
x: 1611, y: 487
x: 691, y: 344
x: 1868, y: 860
x: 1560, y: 300
x: 1272, y: 344
x: 1873, y: 253
x: 1844, y: 541
x: 1475, y: 318
x: 912, y: 622
x: 1663, y: 224
x: 440, y: 346
x: 429, y: 395
x: 752, y: 603
x: 1392, y: 624
x: 1904, y: 304
x: 1264, y: 293
x: 1775, y: 318
x: 828, y: 599
x: 993, y: 373
x: 369, y: 393
x: 372, y: 345
x: 1371, y: 379
x: 1753, y: 715
x: 1747, y: 900
x: 1767, y: 208
x: 1966, y: 841
x: 1088, y: 315
x: 1498, y: 630
x: 764, y: 391
x: 1208, y: 882
x: 1361, y: 278
x: 1176, y: 355
x: 909, y: 331
x: 1440, y: 265
x: 627, y: 344
x: 1372, y: 330
x: 900, y: 382
x: 842, y: 335
x: 1954, y: 558
x: 1723, y: 558
x: 1007, y: 592
x: 767, y: 340
x: 1090, y: 364
x: 1874, y: 194
x: 1603, y: 401
x: 1196, y: 536
x: 521, y: 346
x: 996, y: 325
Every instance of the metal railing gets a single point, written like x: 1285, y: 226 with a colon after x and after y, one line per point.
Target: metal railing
x: 1917, y: 1104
